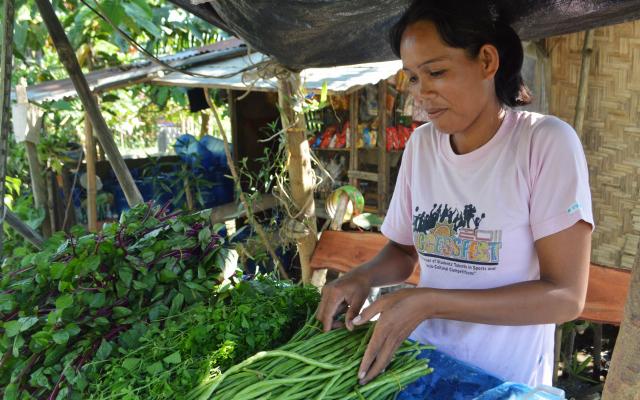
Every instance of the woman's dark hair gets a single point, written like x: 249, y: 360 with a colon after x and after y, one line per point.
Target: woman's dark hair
x: 470, y: 25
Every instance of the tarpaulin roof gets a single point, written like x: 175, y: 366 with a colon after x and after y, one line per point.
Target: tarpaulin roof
x: 341, y: 79
x: 315, y: 33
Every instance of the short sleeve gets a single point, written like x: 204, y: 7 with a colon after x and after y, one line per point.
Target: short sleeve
x: 560, y: 192
x: 397, y: 225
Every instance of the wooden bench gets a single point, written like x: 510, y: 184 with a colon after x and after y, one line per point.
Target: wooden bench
x: 342, y: 251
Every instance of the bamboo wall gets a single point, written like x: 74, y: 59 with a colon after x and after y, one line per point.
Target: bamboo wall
x: 611, y: 134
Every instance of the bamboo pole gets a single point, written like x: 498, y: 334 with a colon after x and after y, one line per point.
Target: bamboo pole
x: 24, y: 230
x: 290, y: 99
x: 105, y: 136
x: 90, y: 153
x: 622, y: 381
x: 583, y: 89
x: 6, y: 58
x: 36, y: 172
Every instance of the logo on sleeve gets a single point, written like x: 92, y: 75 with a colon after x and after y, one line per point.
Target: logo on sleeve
x: 455, y: 235
x: 573, y: 208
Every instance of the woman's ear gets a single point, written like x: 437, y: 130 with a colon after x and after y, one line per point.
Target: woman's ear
x: 489, y: 60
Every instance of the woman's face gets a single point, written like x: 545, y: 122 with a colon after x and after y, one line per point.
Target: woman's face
x: 452, y: 87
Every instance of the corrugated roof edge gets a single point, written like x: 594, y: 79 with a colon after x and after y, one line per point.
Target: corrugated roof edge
x: 114, y: 77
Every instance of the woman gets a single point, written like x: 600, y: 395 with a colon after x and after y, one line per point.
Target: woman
x: 493, y: 203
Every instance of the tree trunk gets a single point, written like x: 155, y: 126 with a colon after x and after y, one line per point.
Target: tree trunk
x: 290, y: 99
x: 6, y: 54
x: 90, y: 151
x: 623, y: 379
x: 105, y: 136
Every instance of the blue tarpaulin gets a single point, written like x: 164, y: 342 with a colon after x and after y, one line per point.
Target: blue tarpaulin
x: 453, y: 379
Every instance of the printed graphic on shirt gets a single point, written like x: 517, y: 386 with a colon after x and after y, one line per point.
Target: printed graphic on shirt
x: 450, y: 234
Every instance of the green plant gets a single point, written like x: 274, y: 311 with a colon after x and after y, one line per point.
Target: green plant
x: 66, y: 305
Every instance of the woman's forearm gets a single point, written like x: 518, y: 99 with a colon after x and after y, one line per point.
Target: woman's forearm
x: 394, y: 264
x: 526, y: 303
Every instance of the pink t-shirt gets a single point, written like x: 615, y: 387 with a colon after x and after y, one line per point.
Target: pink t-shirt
x: 473, y: 219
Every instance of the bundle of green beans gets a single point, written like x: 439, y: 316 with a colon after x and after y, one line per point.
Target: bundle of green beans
x: 315, y: 365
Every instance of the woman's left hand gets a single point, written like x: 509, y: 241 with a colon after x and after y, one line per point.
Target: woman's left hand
x: 400, y: 313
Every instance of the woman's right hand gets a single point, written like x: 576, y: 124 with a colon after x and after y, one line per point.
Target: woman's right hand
x: 350, y: 291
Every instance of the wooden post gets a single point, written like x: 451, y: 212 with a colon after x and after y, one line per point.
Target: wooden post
x: 36, y: 172
x: 622, y: 381
x: 24, y: 230
x: 290, y: 99
x: 383, y: 156
x: 105, y: 136
x: 353, y: 139
x: 90, y: 152
x: 6, y: 58
x: 583, y: 89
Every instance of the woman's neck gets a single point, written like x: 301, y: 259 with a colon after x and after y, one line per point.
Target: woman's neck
x: 481, y: 130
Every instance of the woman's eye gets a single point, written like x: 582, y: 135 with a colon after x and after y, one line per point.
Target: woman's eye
x: 413, y: 80
x: 435, y: 74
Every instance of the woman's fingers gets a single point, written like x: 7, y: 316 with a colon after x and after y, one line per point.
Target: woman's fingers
x: 383, y: 358
x: 353, y: 310
x: 331, y: 301
x: 375, y: 308
x: 379, y: 352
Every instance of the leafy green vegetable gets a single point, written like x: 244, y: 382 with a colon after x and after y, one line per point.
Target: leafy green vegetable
x: 69, y: 304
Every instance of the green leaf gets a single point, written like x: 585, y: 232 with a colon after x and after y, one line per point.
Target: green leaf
x: 11, y: 328
x: 120, y: 312
x: 155, y: 368
x: 97, y: 300
x: 7, y: 302
x: 137, y: 285
x: 176, y: 304
x: 104, y: 350
x: 92, y: 263
x: 41, y: 338
x: 126, y: 275
x: 60, y: 337
x: 131, y: 363
x: 27, y: 322
x: 167, y: 275
x: 143, y: 19
x: 174, y: 358
x: 64, y: 301
x: 195, y: 286
x: 72, y: 329
x: 57, y: 270
x: 113, y: 10
x: 204, y: 236
x: 18, y: 342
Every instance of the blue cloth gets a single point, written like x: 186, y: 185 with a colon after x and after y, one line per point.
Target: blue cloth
x: 453, y: 379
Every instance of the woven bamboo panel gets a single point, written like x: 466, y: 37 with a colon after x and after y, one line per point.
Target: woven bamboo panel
x: 611, y: 134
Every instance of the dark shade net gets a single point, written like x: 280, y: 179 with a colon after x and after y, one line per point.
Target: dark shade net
x: 319, y: 33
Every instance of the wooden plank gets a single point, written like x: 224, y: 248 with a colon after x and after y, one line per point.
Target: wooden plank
x: 606, y: 294
x: 105, y: 136
x: 353, y: 139
x: 343, y: 251
x: 229, y: 211
x: 383, y: 156
x: 364, y: 175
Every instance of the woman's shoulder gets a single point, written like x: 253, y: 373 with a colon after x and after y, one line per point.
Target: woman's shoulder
x: 544, y: 130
